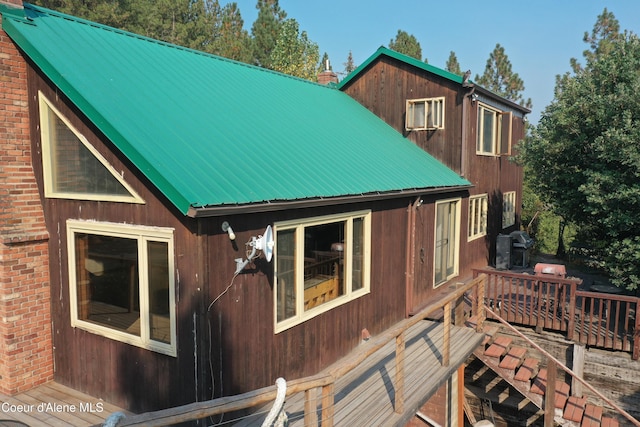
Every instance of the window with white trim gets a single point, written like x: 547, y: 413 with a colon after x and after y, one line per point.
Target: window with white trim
x: 121, y: 283
x: 320, y: 263
x: 508, y: 209
x: 478, y: 209
x: 72, y: 167
x: 425, y: 114
x: 489, y: 131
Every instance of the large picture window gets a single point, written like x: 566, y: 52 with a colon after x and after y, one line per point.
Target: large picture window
x: 122, y: 283
x: 320, y: 263
x: 478, y: 208
x: 489, y: 131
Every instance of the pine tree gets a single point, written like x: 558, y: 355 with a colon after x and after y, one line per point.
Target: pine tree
x: 499, y: 78
x: 453, y: 66
x: 232, y: 40
x: 265, y: 31
x: 349, y: 66
x: 407, y: 44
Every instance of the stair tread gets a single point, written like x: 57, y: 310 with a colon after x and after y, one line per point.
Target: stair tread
x: 562, y: 394
x: 574, y: 410
x: 592, y: 416
x: 499, y: 347
x: 527, y: 369
x: 610, y: 422
x: 512, y: 360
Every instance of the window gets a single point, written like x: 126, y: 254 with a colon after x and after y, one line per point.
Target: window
x: 73, y: 168
x: 508, y: 209
x: 478, y: 206
x: 489, y: 131
x: 446, y: 242
x: 320, y: 263
x: 425, y: 114
x: 122, y: 283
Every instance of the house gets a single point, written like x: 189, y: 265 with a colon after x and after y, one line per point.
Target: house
x: 141, y: 183
x: 468, y: 128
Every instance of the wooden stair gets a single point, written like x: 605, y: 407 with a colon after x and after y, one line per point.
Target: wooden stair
x: 520, y: 369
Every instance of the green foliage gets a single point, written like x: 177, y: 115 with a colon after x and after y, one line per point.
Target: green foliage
x: 294, y: 53
x: 585, y: 154
x: 349, y: 66
x: 407, y: 44
x: 499, y: 78
x: 231, y: 40
x: 453, y: 66
x: 265, y: 31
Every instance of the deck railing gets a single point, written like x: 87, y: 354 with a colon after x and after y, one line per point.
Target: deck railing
x: 597, y: 319
x: 325, y: 382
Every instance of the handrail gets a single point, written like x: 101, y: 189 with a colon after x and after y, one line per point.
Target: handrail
x: 325, y: 379
x: 563, y: 367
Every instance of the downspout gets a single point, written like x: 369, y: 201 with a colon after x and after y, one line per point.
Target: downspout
x: 411, y: 255
x: 465, y: 131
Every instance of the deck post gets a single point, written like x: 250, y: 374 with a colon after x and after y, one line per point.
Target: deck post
x: 446, y: 345
x: 480, y: 292
x: 328, y: 407
x: 310, y: 405
x: 399, y: 383
x: 571, y: 325
x: 550, y: 394
x: 636, y: 333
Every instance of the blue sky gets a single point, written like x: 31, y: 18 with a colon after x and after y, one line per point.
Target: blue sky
x: 539, y: 36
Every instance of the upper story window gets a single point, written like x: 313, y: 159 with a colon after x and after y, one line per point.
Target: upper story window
x: 121, y: 283
x: 72, y: 167
x: 489, y: 131
x: 320, y: 263
x: 478, y: 208
x: 508, y: 209
x: 425, y: 114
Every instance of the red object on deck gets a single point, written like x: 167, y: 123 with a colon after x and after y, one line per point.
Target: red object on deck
x: 550, y: 269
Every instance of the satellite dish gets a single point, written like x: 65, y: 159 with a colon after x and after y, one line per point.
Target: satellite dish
x: 265, y: 243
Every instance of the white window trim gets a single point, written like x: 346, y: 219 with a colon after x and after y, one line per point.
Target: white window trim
x: 142, y: 234
x: 456, y: 266
x: 350, y: 295
x: 478, y: 212
x: 497, y: 132
x: 47, y: 169
x: 508, y: 209
x: 429, y: 102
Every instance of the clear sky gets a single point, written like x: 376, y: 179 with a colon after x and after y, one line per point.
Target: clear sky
x: 539, y: 36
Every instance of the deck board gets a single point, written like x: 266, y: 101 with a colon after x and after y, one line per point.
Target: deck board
x: 367, y: 393
x: 53, y: 405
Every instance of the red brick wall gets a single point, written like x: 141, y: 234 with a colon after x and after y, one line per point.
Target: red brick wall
x: 26, y: 358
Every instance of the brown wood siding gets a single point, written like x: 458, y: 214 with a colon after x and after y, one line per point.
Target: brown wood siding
x: 128, y: 376
x: 385, y: 88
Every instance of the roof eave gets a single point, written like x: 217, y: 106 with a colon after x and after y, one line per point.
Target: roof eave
x: 281, y: 205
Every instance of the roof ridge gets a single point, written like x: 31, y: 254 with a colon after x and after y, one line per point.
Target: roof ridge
x: 44, y: 11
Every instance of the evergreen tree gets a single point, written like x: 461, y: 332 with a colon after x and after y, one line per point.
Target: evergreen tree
x: 407, y: 44
x: 231, y: 39
x: 265, y: 31
x: 499, y: 78
x: 294, y: 53
x: 453, y: 66
x: 349, y: 66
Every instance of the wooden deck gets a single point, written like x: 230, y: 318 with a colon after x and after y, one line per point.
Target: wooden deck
x: 53, y: 404
x: 366, y: 394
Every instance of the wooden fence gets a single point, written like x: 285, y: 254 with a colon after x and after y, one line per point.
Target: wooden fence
x: 596, y: 319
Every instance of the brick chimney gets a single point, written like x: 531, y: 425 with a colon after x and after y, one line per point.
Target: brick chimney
x: 327, y: 75
x: 26, y: 349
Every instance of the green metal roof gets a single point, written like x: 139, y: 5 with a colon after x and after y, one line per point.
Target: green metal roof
x: 383, y: 51
x: 208, y: 131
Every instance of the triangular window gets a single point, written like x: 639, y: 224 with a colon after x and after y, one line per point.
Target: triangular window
x: 73, y: 168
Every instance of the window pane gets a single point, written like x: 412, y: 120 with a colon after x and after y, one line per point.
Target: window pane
x: 357, y: 278
x: 417, y: 115
x: 487, y: 131
x: 107, y: 281
x: 323, y: 263
x: 158, y: 271
x: 286, y: 274
x: 74, y: 168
